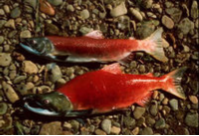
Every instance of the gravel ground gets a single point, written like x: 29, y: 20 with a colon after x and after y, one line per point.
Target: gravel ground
x: 22, y: 73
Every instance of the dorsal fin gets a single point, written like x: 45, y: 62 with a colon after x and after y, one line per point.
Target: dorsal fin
x: 96, y: 34
x: 113, y: 68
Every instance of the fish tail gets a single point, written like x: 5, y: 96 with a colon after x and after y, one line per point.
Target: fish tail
x: 173, y: 80
x: 154, y: 44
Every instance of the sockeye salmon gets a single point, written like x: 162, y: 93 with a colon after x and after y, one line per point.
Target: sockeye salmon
x: 94, y: 48
x: 103, y: 91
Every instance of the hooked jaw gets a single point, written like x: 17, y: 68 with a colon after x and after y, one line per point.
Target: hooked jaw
x: 52, y: 104
x: 38, y: 46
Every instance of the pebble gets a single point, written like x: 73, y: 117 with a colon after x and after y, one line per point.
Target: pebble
x: 139, y: 111
x: 165, y: 101
x: 29, y: 67
x: 185, y: 26
x: 85, y: 14
x: 147, y: 131
x: 32, y: 3
x: 1, y: 39
x: 135, y: 131
x: 2, y: 23
x: 25, y: 88
x: 51, y: 29
x: 75, y: 124
x: 123, y: 22
x: 175, y: 14
x: 146, y: 4
x: 2, y: 12
x: 115, y: 130
x: 129, y: 122
x: 119, y: 10
x: 174, y: 104
x: 52, y: 128
x: 3, y: 108
x: 55, y: 2
x: 6, y: 9
x: 147, y: 27
x: 5, y: 59
x: 16, y: 12
x: 19, y: 79
x: 136, y: 14
x: 191, y: 119
x: 10, y: 92
x: 160, y: 124
x: 25, y: 34
x: 193, y: 99
x: 150, y: 121
x: 10, y: 24
x: 194, y: 9
x: 106, y: 125
x: 54, y: 72
x: 99, y: 132
x: 167, y: 22
x: 70, y: 8
x: 154, y: 108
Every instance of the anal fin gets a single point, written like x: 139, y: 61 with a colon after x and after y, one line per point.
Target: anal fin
x: 145, y: 99
x: 113, y: 68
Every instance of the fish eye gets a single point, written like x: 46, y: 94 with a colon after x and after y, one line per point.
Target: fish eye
x: 46, y: 101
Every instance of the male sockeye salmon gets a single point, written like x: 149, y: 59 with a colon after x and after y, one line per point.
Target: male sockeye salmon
x: 103, y: 91
x: 94, y: 48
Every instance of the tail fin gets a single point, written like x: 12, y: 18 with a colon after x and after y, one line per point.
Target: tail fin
x: 155, y: 44
x: 173, y: 80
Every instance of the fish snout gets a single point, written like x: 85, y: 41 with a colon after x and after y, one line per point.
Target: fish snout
x: 50, y: 104
x: 38, y: 46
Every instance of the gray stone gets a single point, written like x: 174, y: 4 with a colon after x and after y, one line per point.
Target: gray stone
x: 3, y: 108
x: 167, y: 22
x: 119, y: 10
x: 194, y: 10
x: 136, y: 14
x: 85, y: 14
x: 16, y: 12
x: 185, y: 26
x: 54, y: 72
x: 106, y: 125
x: 2, y: 23
x: 154, y: 108
x: 1, y: 39
x: 25, y: 34
x: 2, y: 12
x: 32, y: 3
x: 146, y: 131
x: 191, y: 119
x: 147, y: 27
x: 29, y: 67
x: 10, y: 24
x: 150, y: 121
x: 175, y: 14
x: 19, y: 79
x: 129, y: 122
x: 52, y: 128
x: 55, y: 2
x: 70, y: 8
x: 123, y: 22
x: 84, y: 30
x: 174, y: 104
x: 139, y: 111
x: 10, y: 92
x: 5, y: 59
x: 160, y: 124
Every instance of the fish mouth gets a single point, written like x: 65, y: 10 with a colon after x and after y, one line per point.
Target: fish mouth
x: 53, y: 104
x: 40, y: 46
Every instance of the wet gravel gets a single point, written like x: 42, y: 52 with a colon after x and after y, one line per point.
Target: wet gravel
x: 22, y: 73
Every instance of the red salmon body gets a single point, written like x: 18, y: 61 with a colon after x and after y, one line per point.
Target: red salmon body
x: 93, y: 47
x: 108, y: 89
x: 104, y: 49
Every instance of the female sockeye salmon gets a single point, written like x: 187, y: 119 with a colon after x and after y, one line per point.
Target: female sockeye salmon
x: 103, y: 91
x: 94, y: 48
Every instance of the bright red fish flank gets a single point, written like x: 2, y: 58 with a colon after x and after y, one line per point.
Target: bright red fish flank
x: 109, y: 89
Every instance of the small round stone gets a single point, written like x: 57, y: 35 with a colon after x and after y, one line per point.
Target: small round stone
x: 119, y: 10
x: 1, y: 39
x: 191, y: 119
x: 115, y: 130
x: 167, y: 22
x: 29, y: 67
x: 16, y: 12
x: 139, y: 111
x: 99, y: 132
x: 85, y: 14
x: 3, y: 108
x: 135, y: 131
x: 147, y: 131
x: 193, y: 99
x: 174, y: 104
x: 106, y: 125
x: 55, y: 2
x: 25, y: 34
x: 5, y: 59
x: 160, y: 124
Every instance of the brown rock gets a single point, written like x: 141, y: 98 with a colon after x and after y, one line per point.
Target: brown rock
x: 52, y: 128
